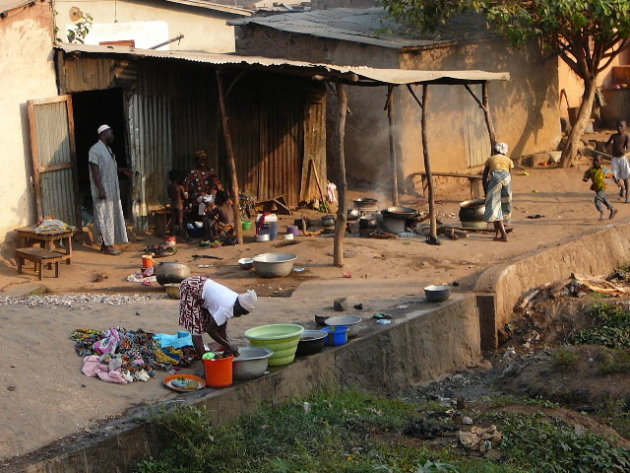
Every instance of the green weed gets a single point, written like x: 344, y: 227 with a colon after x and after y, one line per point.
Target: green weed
x: 565, y: 358
x: 611, y: 328
x: 615, y: 362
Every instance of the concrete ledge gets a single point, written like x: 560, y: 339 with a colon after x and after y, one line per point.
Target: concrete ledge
x: 593, y: 253
x: 424, y: 342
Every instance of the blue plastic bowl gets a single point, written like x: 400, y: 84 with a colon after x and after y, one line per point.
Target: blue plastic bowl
x: 335, y: 336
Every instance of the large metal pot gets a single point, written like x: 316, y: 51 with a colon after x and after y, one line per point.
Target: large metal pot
x: 403, y: 213
x: 365, y: 203
x: 251, y: 363
x: 171, y: 272
x: 273, y: 265
x: 368, y: 223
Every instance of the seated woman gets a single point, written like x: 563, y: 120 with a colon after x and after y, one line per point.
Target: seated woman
x: 220, y: 221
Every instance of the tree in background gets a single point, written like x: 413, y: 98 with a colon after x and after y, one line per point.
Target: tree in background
x: 586, y: 34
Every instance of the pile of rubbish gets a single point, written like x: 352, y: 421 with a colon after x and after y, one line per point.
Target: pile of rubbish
x: 123, y: 356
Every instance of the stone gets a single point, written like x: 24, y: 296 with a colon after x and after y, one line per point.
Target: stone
x: 11, y: 388
x: 467, y: 420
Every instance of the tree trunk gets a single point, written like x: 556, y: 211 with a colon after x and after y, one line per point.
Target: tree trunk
x: 392, y: 144
x: 231, y: 159
x: 427, y: 163
x: 342, y: 184
x: 584, y: 115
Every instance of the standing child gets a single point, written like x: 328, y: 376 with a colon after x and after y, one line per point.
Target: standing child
x: 621, y: 169
x: 598, y: 177
x: 178, y: 195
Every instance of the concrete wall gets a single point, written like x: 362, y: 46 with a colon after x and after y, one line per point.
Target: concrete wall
x: 525, y: 109
x: 424, y: 344
x: 26, y: 72
x: 510, y: 282
x: 203, y: 29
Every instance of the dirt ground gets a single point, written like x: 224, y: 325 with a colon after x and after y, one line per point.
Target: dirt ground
x: 40, y: 368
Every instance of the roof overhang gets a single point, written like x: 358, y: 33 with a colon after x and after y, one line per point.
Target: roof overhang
x: 356, y: 75
x: 238, y: 11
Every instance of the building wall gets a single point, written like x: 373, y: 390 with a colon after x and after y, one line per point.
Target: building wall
x: 203, y: 29
x: 525, y: 109
x: 26, y: 72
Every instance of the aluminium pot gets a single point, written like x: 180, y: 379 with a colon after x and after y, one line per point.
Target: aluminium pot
x: 171, y: 272
x: 368, y: 223
x: 273, y: 265
x: 251, y: 362
x: 403, y: 213
x: 311, y: 341
x: 353, y: 214
x: 472, y: 210
x: 365, y: 203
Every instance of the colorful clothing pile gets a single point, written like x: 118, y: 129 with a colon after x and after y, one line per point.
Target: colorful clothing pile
x: 123, y: 356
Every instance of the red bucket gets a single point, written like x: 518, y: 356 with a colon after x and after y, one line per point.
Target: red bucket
x: 218, y: 372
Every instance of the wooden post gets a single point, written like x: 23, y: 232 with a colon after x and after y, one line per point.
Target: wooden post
x: 483, y: 104
x: 340, y: 225
x: 231, y: 160
x: 392, y: 143
x: 427, y: 162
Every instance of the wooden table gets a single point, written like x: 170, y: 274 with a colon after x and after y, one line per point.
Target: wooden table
x: 27, y: 237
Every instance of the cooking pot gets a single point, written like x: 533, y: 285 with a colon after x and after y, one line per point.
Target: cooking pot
x: 368, y: 223
x: 171, y: 272
x: 365, y: 203
x: 353, y: 214
x: 328, y: 220
x: 472, y: 210
x: 404, y: 213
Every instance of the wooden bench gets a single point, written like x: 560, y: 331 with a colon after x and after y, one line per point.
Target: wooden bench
x: 474, y: 181
x: 39, y: 256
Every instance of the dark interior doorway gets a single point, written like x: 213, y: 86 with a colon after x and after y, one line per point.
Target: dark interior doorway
x: 91, y: 110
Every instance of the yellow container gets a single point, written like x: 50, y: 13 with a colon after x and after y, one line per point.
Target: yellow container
x: 282, y: 339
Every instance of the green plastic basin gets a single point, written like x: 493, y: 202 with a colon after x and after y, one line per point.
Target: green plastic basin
x: 282, y: 339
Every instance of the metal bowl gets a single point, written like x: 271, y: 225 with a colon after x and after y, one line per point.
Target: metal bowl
x: 251, y: 362
x: 350, y: 321
x: 311, y: 341
x: 274, y: 265
x: 246, y: 263
x: 263, y: 237
x: 172, y: 290
x: 437, y: 293
x: 353, y: 214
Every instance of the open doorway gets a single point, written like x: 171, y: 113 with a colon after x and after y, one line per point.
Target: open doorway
x: 92, y: 109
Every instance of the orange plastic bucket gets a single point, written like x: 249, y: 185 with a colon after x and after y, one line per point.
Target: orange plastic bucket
x: 218, y: 372
x: 147, y: 261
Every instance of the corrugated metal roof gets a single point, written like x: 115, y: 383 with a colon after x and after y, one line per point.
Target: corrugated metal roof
x: 6, y: 5
x: 357, y: 74
x: 367, y: 26
x: 235, y: 10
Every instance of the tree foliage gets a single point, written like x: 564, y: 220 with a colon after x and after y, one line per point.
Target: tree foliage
x: 586, y: 34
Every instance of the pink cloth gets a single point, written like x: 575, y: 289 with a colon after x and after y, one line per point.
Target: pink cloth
x: 93, y: 367
x: 109, y: 343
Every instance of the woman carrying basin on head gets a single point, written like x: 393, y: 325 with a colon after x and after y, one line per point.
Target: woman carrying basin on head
x: 497, y: 186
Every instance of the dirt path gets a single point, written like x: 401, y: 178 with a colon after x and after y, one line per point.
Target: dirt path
x: 39, y: 362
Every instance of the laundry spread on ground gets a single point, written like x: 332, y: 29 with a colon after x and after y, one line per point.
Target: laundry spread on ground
x: 118, y: 355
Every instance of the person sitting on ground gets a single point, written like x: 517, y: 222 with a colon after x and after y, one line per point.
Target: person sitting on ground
x: 221, y: 219
x: 497, y: 186
x: 621, y: 169
x: 597, y: 175
x: 206, y: 306
x: 178, y: 195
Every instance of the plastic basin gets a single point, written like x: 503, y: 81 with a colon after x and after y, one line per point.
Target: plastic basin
x: 251, y: 362
x: 350, y: 321
x: 282, y: 339
x: 335, y: 336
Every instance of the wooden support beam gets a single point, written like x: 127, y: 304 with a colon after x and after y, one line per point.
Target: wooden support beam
x: 342, y: 184
x: 231, y: 159
x: 392, y: 143
x: 483, y: 104
x: 427, y: 162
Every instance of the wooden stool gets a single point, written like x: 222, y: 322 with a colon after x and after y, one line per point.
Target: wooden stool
x: 39, y: 256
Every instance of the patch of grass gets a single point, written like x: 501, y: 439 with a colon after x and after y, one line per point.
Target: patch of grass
x: 611, y: 328
x: 614, y: 361
x: 544, y: 446
x: 505, y: 400
x: 565, y: 358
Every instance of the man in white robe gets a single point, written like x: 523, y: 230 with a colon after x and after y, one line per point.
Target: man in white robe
x: 108, y: 213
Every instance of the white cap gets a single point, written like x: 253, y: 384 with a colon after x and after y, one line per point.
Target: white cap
x: 102, y: 128
x: 248, y: 300
x: 501, y: 148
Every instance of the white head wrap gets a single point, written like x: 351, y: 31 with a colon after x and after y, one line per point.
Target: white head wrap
x: 501, y: 148
x: 248, y: 300
x: 102, y: 128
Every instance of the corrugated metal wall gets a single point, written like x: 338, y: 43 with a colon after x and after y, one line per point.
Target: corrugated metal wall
x: 173, y: 111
